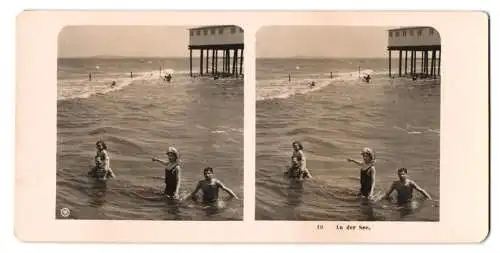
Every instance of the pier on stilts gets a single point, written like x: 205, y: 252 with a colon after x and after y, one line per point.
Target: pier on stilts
x: 220, y: 50
x: 412, y: 43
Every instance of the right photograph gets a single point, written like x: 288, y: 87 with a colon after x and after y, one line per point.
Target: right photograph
x: 348, y: 123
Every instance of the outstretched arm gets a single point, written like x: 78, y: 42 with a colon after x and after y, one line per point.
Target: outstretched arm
x: 388, y: 194
x: 421, y: 190
x: 229, y: 191
x: 354, y: 161
x: 158, y: 160
x: 192, y: 194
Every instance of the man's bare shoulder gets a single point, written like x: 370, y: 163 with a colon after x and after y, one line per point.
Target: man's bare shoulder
x: 412, y: 183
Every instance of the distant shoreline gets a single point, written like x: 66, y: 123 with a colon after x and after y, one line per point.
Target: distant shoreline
x: 319, y: 58
x: 187, y: 57
x: 110, y: 57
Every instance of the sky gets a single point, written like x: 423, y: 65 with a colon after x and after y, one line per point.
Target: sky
x: 271, y: 42
x: 149, y: 41
x: 322, y: 41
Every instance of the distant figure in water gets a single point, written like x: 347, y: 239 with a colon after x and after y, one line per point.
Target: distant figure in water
x: 298, y: 168
x: 90, y: 76
x: 366, y: 173
x: 172, y: 173
x: 210, y: 188
x: 312, y: 84
x: 113, y: 84
x: 367, y: 78
x: 168, y: 77
x: 131, y: 76
x: 404, y: 188
x: 102, y: 169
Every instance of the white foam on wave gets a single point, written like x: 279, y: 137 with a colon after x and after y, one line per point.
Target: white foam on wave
x: 300, y: 84
x: 82, y: 88
x: 218, y: 132
x: 416, y: 129
x: 227, y: 130
x: 72, y: 89
x: 434, y: 130
x: 173, y: 71
x: 414, y: 132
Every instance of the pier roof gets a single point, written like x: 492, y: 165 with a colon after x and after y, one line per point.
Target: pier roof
x: 413, y: 38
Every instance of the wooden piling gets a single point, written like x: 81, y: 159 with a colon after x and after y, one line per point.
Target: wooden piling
x: 406, y: 63
x: 213, y: 61
x: 400, y: 60
x: 190, y: 62
x: 390, y: 62
x: 235, y: 60
x: 216, y: 61
x: 422, y: 62
x: 439, y: 63
x: 433, y: 68
x: 241, y: 62
x: 411, y: 63
x: 201, y: 62
x: 206, y: 62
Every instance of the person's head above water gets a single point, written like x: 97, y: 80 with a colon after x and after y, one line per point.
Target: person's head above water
x: 402, y: 174
x: 172, y: 154
x: 208, y: 172
x: 368, y: 155
x: 297, y: 146
x: 100, y: 145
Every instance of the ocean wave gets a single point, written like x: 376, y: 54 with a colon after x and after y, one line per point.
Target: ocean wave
x: 105, y: 130
x: 322, y: 143
x: 227, y: 130
x: 82, y: 88
x: 301, y: 84
x: 74, y: 89
x: 301, y: 130
x: 129, y: 145
x: 416, y: 129
x: 218, y: 131
x: 434, y: 130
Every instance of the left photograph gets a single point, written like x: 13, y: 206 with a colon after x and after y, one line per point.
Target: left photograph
x: 150, y: 123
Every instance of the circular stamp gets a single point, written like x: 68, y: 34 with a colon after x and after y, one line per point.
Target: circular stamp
x: 65, y: 212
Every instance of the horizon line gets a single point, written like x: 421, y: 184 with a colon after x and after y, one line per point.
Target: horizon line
x: 262, y: 57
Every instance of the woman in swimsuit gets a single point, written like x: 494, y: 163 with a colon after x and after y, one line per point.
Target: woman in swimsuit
x: 366, y: 173
x: 172, y: 173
